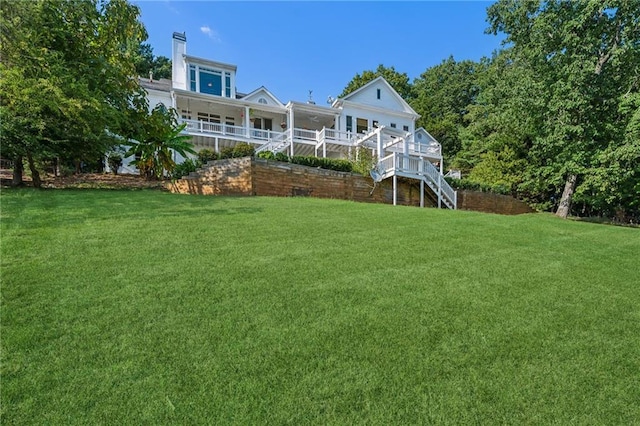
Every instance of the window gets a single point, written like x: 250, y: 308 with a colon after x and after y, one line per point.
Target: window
x: 263, y: 123
x: 230, y: 121
x: 185, y: 114
x: 192, y: 77
x: 262, y: 101
x: 210, y: 118
x: 210, y: 82
x: 393, y: 125
x: 419, y: 135
x: 375, y: 123
x: 349, y: 123
x: 362, y: 125
x: 378, y: 93
x: 405, y: 128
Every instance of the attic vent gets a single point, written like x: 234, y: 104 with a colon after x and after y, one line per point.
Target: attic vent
x: 378, y: 93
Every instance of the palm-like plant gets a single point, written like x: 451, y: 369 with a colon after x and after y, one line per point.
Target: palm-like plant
x: 161, y: 134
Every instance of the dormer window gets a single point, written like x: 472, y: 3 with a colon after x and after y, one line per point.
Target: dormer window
x: 209, y: 80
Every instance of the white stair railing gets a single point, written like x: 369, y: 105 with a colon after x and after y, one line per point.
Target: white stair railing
x: 411, y: 166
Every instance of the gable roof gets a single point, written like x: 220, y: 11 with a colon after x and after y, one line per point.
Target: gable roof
x: 262, y: 92
x: 429, y: 139
x: 381, y: 80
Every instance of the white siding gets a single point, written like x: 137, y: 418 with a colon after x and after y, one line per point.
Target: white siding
x: 369, y: 96
x: 155, y: 97
x: 381, y: 118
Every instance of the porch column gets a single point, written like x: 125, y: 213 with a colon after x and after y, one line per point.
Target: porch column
x: 246, y: 121
x: 291, y: 120
x: 421, y: 168
x: 379, y: 136
x: 291, y: 117
x: 395, y: 189
x: 216, y: 144
x: 441, y: 165
x: 405, y: 144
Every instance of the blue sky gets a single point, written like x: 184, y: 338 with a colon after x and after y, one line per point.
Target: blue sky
x: 293, y: 47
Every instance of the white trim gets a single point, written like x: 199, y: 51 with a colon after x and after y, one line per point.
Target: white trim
x: 266, y: 92
x: 404, y: 103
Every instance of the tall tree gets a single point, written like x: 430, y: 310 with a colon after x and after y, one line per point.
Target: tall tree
x: 149, y: 64
x: 442, y: 96
x: 399, y: 81
x: 501, y: 124
x: 586, y: 54
x: 66, y: 77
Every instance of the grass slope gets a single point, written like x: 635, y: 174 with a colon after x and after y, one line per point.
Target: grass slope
x: 147, y: 307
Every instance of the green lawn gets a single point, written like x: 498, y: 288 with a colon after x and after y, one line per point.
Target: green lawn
x: 143, y: 307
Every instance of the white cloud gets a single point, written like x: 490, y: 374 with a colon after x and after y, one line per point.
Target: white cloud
x: 213, y: 35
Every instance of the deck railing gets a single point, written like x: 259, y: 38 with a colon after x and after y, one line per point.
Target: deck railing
x: 214, y: 128
x: 433, y: 149
x: 333, y: 136
x: 317, y: 136
x: 395, y: 162
x: 304, y: 134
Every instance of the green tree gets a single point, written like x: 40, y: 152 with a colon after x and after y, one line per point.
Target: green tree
x: 442, y: 96
x: 501, y: 125
x: 66, y: 78
x: 147, y: 63
x: 399, y: 81
x: 585, y: 55
x: 161, y: 134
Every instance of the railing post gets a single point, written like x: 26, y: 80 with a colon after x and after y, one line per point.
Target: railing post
x: 439, y: 191
x: 395, y: 189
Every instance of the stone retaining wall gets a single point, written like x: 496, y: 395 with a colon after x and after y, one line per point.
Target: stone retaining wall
x: 491, y: 203
x: 250, y: 176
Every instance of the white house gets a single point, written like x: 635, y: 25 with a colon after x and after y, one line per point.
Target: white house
x: 375, y: 116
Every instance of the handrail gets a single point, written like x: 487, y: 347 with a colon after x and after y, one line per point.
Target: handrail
x: 219, y: 128
x: 395, y: 162
x: 305, y: 134
x: 432, y: 148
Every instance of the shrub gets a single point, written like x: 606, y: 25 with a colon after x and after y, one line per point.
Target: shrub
x: 184, y: 168
x: 243, y: 149
x: 206, y: 155
x: 364, y: 161
x: 323, y: 163
x: 226, y: 153
x: 281, y: 156
x: 267, y: 155
x: 115, y: 162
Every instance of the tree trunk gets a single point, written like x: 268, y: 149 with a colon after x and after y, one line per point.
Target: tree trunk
x: 18, y: 168
x: 567, y: 195
x: 35, y: 174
